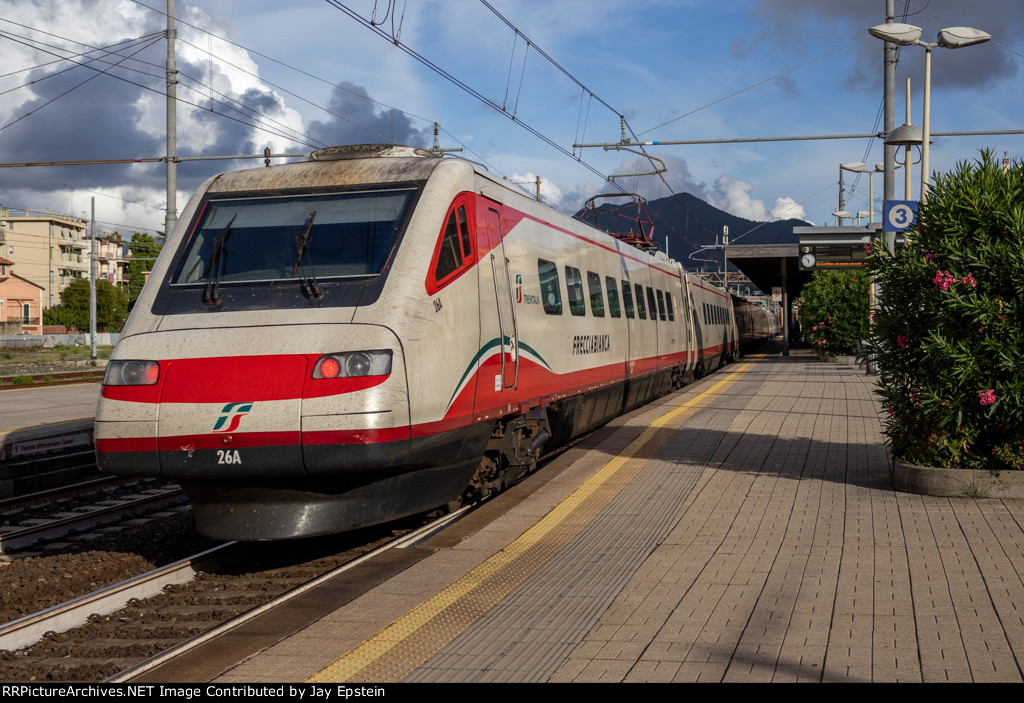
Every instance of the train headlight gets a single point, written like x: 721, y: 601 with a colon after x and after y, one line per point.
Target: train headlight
x: 131, y: 372
x: 351, y: 364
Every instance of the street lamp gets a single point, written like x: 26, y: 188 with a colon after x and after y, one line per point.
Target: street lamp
x: 853, y: 167
x: 949, y: 38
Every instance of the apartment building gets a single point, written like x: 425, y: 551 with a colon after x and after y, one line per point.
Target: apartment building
x: 52, y: 249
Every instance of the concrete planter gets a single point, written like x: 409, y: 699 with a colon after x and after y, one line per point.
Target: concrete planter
x: 963, y: 483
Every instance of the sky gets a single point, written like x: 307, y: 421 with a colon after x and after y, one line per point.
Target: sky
x: 304, y: 74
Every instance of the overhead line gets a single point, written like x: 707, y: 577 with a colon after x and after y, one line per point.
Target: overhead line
x: 755, y: 85
x: 457, y: 82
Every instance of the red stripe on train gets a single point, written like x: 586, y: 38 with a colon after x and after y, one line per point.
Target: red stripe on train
x: 248, y: 378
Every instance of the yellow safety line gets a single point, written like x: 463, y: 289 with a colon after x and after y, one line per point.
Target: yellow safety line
x: 372, y: 649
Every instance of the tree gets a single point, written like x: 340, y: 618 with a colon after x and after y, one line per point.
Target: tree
x: 949, y: 335
x: 73, y: 311
x: 834, y: 309
x: 144, y: 252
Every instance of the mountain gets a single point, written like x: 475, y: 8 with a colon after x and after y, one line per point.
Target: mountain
x: 688, y: 223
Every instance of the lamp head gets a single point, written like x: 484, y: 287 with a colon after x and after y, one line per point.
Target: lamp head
x: 897, y: 33
x: 957, y: 37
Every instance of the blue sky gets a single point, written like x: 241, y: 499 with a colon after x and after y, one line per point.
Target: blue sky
x: 747, y: 68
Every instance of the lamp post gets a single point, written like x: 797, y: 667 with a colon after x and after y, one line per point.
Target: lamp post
x: 949, y: 38
x: 854, y: 167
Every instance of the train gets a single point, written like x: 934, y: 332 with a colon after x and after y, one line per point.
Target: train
x: 376, y: 332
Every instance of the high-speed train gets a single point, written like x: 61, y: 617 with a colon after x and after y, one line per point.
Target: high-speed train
x: 376, y: 331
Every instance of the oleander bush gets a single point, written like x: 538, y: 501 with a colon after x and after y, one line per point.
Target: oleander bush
x: 834, y: 309
x: 948, y: 334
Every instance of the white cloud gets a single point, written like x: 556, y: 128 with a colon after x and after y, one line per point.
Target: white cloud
x: 788, y: 209
x: 567, y: 199
x: 733, y: 196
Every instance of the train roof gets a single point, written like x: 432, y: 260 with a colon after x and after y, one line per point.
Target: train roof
x: 335, y: 166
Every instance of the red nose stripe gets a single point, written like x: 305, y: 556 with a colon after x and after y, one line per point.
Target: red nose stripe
x: 239, y: 378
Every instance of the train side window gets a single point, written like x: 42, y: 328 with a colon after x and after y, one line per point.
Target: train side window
x: 652, y: 305
x: 668, y: 304
x: 596, y: 295
x: 574, y: 286
x: 627, y: 299
x: 454, y: 252
x: 613, y: 297
x: 704, y: 307
x: 641, y: 309
x: 661, y: 306
x: 449, y: 255
x: 550, y: 292
x: 467, y: 242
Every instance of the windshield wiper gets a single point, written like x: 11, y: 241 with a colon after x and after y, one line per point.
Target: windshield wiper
x: 310, y: 287
x: 218, y: 262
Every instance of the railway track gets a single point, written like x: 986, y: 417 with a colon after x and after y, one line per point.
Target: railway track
x: 121, y: 631
x: 55, y: 514
x: 52, y: 379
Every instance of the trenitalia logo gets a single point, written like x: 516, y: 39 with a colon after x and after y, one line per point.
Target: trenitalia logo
x: 231, y: 415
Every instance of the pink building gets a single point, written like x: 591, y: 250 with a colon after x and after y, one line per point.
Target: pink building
x: 21, y: 302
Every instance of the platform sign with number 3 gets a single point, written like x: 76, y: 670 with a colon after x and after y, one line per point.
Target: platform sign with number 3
x: 899, y: 215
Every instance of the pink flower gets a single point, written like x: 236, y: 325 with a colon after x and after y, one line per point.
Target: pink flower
x: 903, y: 342
x: 969, y: 279
x: 987, y: 397
x: 890, y: 411
x: 944, y: 279
x: 929, y: 256
x: 913, y: 397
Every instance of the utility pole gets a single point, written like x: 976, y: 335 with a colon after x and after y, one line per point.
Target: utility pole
x: 92, y: 282
x: 725, y: 260
x: 171, y: 215
x: 889, y: 100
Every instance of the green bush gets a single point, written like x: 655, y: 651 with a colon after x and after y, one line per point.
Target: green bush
x: 834, y: 311
x: 949, y: 332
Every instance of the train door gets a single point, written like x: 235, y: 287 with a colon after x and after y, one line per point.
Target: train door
x: 497, y: 313
x: 698, y: 329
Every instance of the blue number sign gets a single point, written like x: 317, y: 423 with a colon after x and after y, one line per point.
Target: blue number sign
x: 899, y: 215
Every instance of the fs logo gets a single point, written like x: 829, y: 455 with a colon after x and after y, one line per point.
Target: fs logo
x: 231, y: 415
x: 519, y: 287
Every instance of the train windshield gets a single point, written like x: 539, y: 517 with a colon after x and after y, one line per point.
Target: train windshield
x: 328, y: 235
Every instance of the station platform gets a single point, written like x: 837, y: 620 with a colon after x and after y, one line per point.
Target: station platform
x: 22, y: 408
x: 40, y: 420
x: 741, y: 530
